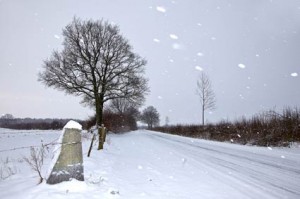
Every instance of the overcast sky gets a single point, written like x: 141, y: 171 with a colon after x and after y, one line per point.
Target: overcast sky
x: 250, y: 49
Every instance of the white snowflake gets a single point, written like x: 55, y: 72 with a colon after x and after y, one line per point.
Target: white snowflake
x: 173, y: 36
x: 176, y: 46
x: 200, y: 54
x: 198, y: 68
x: 242, y: 66
x: 161, y: 9
x: 294, y: 74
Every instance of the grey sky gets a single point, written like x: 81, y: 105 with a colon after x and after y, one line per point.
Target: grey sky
x: 249, y: 48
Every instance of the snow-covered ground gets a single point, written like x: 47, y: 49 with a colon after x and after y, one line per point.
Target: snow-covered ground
x: 145, y: 164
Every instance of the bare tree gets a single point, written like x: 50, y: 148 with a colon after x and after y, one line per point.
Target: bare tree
x: 122, y: 115
x: 122, y: 105
x: 96, y: 63
x: 150, y: 116
x: 206, y: 94
x: 7, y: 116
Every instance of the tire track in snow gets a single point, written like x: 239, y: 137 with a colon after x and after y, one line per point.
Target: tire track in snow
x: 255, y: 169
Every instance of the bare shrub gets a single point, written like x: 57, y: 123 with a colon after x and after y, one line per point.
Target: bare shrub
x: 36, y: 160
x: 7, y: 169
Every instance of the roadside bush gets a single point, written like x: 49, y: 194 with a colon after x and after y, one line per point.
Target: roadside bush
x: 266, y: 129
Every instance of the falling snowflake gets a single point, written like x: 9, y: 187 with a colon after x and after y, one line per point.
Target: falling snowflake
x: 198, y: 68
x: 161, y: 9
x: 242, y: 66
x: 242, y: 97
x: 294, y: 74
x: 156, y: 40
x: 56, y: 36
x: 176, y: 46
x: 200, y: 54
x: 173, y: 36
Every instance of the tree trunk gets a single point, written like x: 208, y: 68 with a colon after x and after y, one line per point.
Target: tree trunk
x: 100, y: 122
x: 101, y: 137
x: 98, y: 112
x: 202, y: 115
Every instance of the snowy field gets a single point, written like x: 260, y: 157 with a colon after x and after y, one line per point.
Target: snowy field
x: 145, y: 164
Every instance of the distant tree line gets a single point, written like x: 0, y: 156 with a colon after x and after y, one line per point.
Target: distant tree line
x: 29, y: 123
x: 119, y: 116
x: 269, y: 128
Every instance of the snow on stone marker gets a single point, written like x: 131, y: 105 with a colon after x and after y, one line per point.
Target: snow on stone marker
x: 68, y: 162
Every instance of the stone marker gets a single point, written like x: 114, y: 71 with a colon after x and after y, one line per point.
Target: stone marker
x: 69, y: 164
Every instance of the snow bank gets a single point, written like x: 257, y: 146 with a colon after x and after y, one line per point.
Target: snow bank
x: 145, y: 164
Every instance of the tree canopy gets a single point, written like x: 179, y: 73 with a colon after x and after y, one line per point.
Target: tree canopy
x: 150, y: 116
x: 96, y: 63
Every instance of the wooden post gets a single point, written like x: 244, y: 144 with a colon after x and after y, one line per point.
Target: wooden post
x: 104, y: 136
x: 91, y: 146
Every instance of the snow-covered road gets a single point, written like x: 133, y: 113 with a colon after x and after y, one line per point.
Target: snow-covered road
x: 145, y: 164
x: 156, y: 165
x: 253, y: 172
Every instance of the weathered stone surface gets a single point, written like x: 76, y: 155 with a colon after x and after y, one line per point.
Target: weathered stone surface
x: 69, y: 164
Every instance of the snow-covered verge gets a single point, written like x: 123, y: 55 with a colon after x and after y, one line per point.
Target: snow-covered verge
x: 145, y: 164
